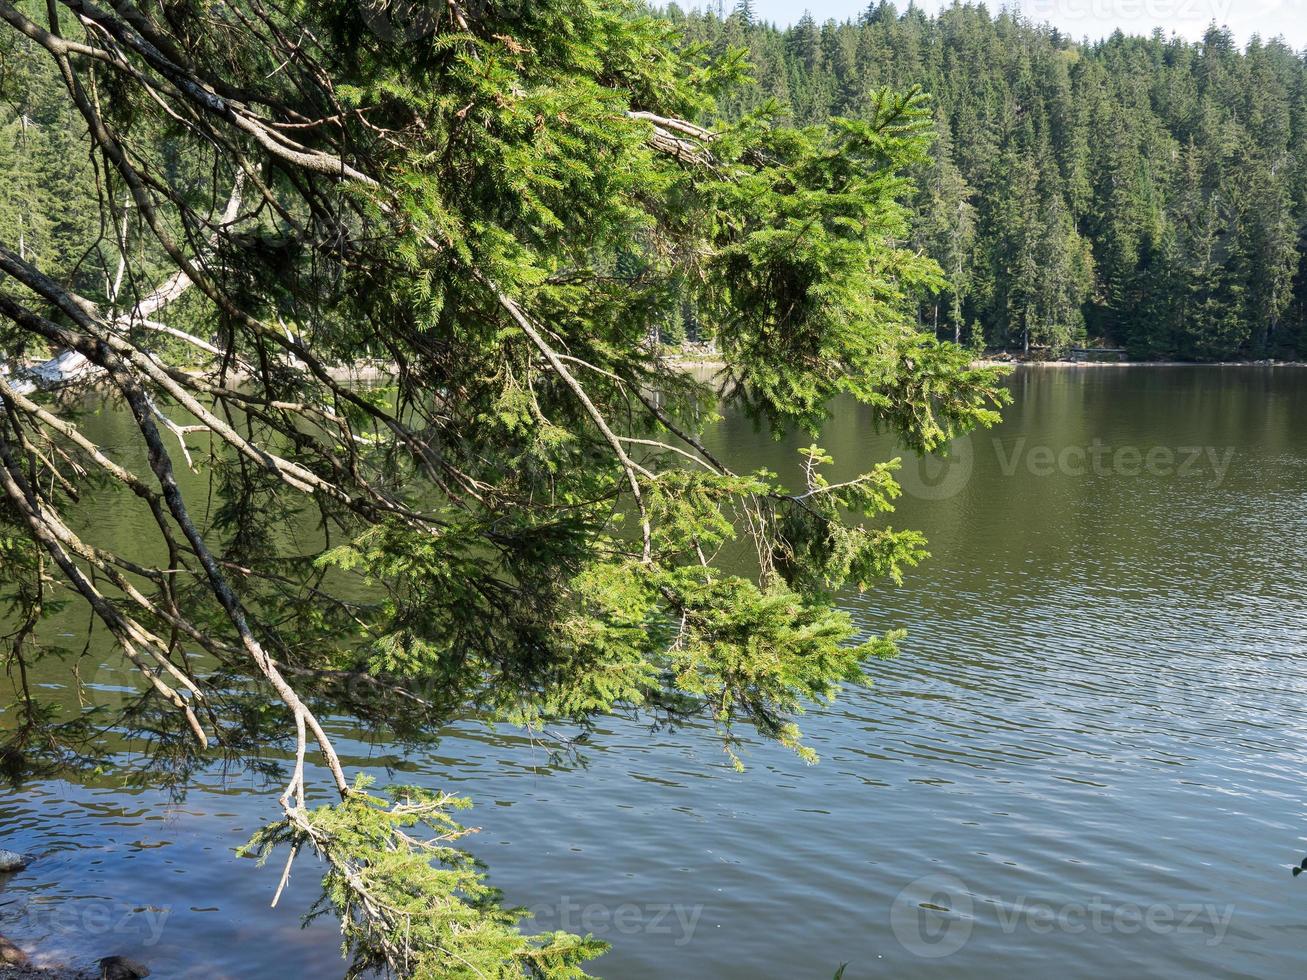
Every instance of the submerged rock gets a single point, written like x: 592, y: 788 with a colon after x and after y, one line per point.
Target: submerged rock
x: 121, y: 968
x: 16, y: 965
x: 11, y: 955
x: 13, y: 861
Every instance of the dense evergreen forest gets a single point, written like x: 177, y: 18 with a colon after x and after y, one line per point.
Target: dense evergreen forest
x: 48, y: 207
x: 1146, y: 192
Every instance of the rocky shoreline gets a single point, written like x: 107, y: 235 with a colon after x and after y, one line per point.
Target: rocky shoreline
x: 28, y: 972
x: 16, y: 965
x: 698, y: 359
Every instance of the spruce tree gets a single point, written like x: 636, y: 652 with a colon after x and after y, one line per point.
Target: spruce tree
x: 503, y: 215
x: 1105, y: 125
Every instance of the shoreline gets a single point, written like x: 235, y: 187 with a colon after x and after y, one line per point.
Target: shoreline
x: 1014, y: 362
x: 683, y: 363
x: 373, y: 372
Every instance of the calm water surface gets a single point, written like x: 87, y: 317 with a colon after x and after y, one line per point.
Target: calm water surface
x: 1089, y: 758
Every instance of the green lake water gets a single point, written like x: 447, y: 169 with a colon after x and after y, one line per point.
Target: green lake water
x: 1088, y: 760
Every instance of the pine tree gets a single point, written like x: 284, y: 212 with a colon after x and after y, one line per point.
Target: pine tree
x: 506, y: 214
x: 944, y: 226
x: 1104, y: 125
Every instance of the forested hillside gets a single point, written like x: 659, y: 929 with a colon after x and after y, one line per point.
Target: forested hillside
x: 1147, y: 192
x: 1141, y: 192
x: 48, y: 208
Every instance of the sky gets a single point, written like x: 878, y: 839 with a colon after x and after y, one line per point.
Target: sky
x: 1094, y: 18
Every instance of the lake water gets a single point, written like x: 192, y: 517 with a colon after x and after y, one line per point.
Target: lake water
x: 1089, y: 759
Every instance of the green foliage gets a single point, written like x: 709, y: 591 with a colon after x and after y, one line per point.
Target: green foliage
x: 823, y: 553
x: 508, y: 211
x: 391, y: 860
x: 48, y: 207
x: 1149, y: 192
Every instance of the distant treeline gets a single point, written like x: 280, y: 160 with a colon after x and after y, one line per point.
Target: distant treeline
x: 1144, y: 192
x: 1149, y: 193
x: 49, y: 212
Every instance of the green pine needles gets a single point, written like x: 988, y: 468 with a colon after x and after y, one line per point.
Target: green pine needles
x: 406, y: 895
x: 502, y: 202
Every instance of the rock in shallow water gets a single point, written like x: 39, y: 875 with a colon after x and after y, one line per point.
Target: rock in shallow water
x: 13, y: 861
x: 11, y: 955
x: 121, y: 968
